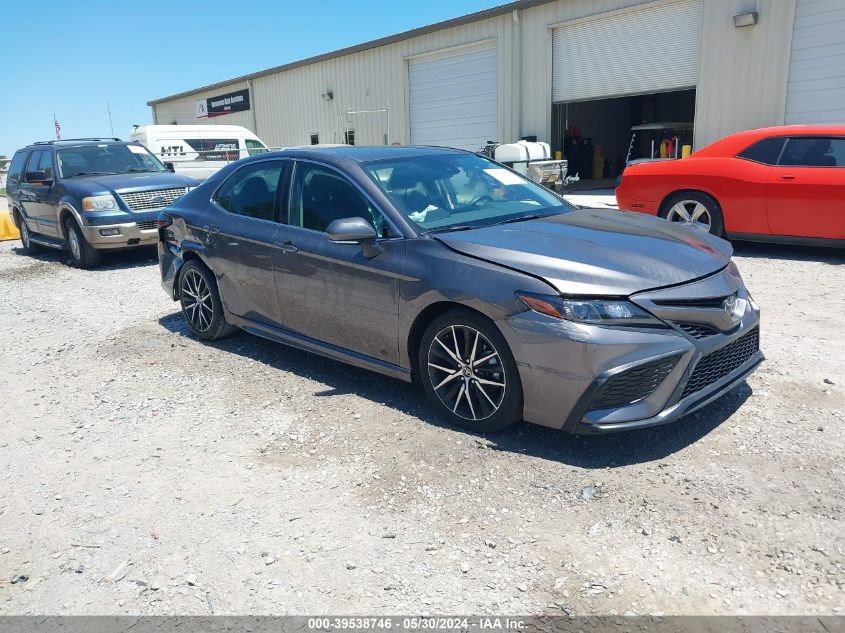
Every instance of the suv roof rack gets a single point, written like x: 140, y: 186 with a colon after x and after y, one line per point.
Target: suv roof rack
x: 71, y: 140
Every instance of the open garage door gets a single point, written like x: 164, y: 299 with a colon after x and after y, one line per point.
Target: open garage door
x: 453, y: 99
x: 650, y: 49
x: 816, y: 89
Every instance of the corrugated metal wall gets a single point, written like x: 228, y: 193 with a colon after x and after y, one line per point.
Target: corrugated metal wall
x: 742, y: 77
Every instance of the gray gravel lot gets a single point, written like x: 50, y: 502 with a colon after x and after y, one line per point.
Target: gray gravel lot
x: 147, y: 472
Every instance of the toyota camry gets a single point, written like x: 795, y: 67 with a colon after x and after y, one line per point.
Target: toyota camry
x: 444, y: 268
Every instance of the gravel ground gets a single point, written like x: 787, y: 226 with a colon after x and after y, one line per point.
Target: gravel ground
x: 146, y: 472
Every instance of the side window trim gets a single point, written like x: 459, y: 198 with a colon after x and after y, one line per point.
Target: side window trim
x: 277, y: 202
x: 295, y: 162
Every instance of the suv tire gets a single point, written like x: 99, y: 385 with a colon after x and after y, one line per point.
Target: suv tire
x: 468, y: 372
x: 201, y: 304
x: 28, y: 247
x: 82, y: 254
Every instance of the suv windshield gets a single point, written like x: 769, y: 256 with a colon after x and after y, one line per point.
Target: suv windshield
x: 452, y: 191
x: 106, y: 159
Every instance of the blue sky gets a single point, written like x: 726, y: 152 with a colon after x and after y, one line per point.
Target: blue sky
x: 91, y: 52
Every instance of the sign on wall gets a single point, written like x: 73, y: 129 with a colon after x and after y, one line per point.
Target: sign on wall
x: 237, y: 101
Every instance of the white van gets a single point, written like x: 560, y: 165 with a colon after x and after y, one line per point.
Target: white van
x: 198, y: 150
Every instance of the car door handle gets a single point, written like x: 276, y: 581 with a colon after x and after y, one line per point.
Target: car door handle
x: 211, y: 230
x: 786, y: 177
x: 286, y: 246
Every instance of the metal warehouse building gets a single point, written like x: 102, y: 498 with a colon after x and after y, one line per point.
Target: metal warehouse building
x: 553, y: 69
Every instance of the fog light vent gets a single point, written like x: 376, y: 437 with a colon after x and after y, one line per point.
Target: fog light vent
x: 633, y: 385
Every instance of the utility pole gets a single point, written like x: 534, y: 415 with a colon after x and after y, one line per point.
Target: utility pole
x: 108, y: 107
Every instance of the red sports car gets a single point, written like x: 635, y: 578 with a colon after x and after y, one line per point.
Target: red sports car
x: 772, y: 184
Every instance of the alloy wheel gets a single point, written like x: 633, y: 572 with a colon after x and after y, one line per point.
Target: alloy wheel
x: 73, y: 243
x: 691, y: 213
x: 466, y: 372
x: 197, y: 303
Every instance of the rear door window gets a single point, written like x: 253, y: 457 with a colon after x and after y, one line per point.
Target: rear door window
x: 822, y: 151
x: 766, y: 151
x: 251, y: 191
x: 34, y: 160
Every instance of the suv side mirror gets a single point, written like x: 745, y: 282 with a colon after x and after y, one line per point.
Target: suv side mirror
x: 355, y: 231
x: 169, y: 166
x: 40, y: 177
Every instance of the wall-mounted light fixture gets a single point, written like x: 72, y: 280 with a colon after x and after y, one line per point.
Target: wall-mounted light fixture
x: 327, y: 96
x: 745, y: 19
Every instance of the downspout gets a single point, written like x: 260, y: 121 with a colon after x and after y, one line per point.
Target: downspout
x: 516, y: 76
x: 252, y: 107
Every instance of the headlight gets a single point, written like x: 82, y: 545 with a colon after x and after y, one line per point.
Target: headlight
x: 594, y: 311
x: 100, y: 203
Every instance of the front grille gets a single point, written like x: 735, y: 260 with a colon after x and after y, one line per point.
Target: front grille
x: 633, y: 384
x: 155, y: 199
x: 722, y: 362
x: 148, y: 225
x: 697, y: 330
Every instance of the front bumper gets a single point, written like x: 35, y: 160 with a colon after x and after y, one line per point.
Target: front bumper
x: 564, y: 366
x: 120, y: 230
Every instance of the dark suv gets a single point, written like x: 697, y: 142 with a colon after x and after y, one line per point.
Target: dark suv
x: 89, y: 196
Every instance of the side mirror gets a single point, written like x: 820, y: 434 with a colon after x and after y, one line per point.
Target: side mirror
x: 350, y: 230
x: 169, y: 166
x: 40, y: 177
x: 354, y: 231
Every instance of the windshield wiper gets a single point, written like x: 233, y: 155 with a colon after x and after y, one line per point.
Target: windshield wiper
x: 131, y: 169
x: 446, y: 229
x: 523, y: 218
x: 93, y: 173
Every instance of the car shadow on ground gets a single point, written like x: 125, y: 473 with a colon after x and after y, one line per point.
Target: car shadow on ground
x: 833, y: 256
x: 588, y: 451
x: 137, y: 257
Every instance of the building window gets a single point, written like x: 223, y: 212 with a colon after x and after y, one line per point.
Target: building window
x: 315, y: 139
x: 350, y: 137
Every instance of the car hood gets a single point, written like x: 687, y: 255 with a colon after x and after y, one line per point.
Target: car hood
x: 597, y: 251
x: 141, y: 181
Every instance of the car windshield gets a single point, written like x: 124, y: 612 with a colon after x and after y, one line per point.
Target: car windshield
x: 457, y: 191
x: 107, y: 158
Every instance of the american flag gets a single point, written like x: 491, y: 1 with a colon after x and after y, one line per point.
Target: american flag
x: 58, y: 128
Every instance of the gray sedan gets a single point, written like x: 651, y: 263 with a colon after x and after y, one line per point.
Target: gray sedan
x: 444, y: 268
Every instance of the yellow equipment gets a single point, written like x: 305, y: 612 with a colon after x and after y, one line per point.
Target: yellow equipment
x: 8, y: 230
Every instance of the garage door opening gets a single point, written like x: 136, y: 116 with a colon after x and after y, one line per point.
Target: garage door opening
x: 595, y: 136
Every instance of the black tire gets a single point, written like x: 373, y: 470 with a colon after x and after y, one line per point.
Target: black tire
x: 689, y: 199
x: 82, y: 254
x: 201, y: 304
x: 28, y: 247
x: 487, y: 408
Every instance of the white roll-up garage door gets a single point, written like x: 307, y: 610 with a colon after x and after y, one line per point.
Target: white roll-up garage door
x: 654, y: 48
x: 816, y: 89
x: 453, y: 99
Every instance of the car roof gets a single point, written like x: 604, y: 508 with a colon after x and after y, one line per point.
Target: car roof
x: 77, y: 142
x: 365, y: 154
x: 735, y: 143
x: 219, y: 129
